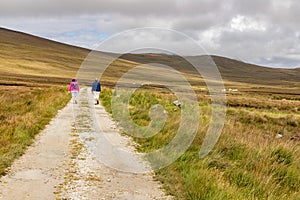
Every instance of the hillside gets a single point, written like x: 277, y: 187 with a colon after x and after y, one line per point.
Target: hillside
x: 230, y: 69
x: 26, y: 58
x: 236, y: 70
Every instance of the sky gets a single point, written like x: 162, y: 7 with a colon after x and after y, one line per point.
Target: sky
x: 264, y: 32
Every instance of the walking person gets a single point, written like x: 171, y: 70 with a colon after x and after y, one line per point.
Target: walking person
x: 96, y: 89
x: 74, y: 89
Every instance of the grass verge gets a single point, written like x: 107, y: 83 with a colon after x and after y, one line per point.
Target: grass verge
x: 24, y: 113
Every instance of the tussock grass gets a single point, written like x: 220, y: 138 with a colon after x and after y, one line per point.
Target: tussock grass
x: 248, y: 162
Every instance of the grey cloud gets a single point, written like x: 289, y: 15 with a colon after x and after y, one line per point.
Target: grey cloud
x: 253, y: 7
x: 69, y: 7
x: 207, y: 21
x: 253, y: 46
x: 197, y: 23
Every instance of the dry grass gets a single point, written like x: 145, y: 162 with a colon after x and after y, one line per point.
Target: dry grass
x: 248, y: 162
x: 24, y: 112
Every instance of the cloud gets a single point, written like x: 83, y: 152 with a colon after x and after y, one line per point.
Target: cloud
x: 252, y: 31
x: 242, y: 23
x: 278, y: 62
x: 90, y: 7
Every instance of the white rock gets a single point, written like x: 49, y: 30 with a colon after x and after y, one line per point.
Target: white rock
x: 177, y: 103
x: 279, y: 136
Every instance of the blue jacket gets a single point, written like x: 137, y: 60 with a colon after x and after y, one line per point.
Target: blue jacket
x: 96, y: 86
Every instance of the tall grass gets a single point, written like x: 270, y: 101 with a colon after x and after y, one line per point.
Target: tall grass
x: 248, y: 162
x: 24, y: 112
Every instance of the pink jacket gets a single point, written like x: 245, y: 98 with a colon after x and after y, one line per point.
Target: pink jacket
x: 74, y: 86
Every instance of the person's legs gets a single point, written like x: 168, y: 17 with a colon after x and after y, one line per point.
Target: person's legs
x: 74, y: 95
x: 96, y: 97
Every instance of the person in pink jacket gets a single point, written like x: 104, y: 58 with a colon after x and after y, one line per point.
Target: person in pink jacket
x: 74, y: 89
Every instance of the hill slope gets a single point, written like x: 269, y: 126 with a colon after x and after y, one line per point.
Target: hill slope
x: 25, y: 58
x: 236, y: 70
x: 230, y: 69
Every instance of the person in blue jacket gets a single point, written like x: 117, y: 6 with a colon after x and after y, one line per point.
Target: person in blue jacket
x: 96, y: 89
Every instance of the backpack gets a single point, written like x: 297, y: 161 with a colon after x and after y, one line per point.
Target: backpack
x: 74, y: 86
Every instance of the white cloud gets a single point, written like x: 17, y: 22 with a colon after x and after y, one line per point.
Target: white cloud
x: 242, y: 23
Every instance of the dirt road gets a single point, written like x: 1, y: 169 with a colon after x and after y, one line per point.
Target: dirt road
x: 81, y: 155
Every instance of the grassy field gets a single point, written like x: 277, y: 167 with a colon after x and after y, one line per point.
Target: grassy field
x: 248, y: 162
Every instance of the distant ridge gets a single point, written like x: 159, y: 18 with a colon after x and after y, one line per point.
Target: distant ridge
x: 230, y: 69
x: 238, y: 70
